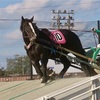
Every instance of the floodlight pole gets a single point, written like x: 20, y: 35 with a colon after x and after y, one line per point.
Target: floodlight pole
x: 60, y: 18
x: 31, y: 70
x: 98, y: 23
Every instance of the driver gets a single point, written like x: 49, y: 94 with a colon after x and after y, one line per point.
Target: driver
x: 96, y: 31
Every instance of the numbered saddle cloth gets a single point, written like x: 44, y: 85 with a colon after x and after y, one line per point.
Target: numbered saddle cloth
x: 57, y: 37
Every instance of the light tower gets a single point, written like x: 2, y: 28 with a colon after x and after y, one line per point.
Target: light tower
x: 63, y: 19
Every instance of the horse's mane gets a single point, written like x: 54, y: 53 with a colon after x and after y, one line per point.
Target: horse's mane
x: 21, y: 28
x: 46, y: 31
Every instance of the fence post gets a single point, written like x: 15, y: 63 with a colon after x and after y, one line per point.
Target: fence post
x: 31, y: 70
x: 97, y: 92
x: 92, y: 87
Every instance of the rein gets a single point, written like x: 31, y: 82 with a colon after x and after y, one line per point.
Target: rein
x: 79, y: 60
x: 75, y: 53
x: 28, y: 35
x: 31, y: 38
x: 67, y: 50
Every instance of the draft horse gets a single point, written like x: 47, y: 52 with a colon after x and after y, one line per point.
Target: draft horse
x: 36, y: 38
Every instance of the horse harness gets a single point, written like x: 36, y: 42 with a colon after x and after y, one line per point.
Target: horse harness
x: 32, y: 38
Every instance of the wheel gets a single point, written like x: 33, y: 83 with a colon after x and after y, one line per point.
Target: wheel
x: 94, y: 54
x: 96, y: 57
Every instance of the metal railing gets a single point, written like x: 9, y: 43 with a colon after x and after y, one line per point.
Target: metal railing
x: 88, y: 89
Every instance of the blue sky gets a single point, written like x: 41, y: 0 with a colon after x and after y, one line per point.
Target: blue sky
x: 5, y: 3
x: 10, y: 35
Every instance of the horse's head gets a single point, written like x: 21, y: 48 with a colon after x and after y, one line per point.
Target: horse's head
x: 28, y: 28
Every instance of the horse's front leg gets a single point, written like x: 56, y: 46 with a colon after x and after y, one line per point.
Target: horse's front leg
x: 44, y: 62
x: 37, y: 68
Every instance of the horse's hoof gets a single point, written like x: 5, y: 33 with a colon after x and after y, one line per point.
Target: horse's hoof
x: 44, y: 81
x: 49, y: 81
x: 41, y: 79
x: 43, y: 84
x: 56, y: 77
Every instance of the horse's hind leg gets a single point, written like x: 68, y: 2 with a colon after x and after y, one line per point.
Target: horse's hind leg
x: 89, y: 71
x: 37, y: 68
x: 66, y: 64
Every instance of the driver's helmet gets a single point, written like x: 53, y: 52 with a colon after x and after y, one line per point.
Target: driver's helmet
x: 98, y: 46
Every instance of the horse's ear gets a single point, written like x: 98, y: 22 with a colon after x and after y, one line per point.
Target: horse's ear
x: 22, y: 18
x: 32, y: 18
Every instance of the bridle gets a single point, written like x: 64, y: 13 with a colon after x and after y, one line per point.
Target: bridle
x: 31, y: 37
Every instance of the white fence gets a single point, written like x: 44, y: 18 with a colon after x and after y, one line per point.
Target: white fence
x: 88, y: 89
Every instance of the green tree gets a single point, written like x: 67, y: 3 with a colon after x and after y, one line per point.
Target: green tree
x: 19, y: 65
x: 2, y: 71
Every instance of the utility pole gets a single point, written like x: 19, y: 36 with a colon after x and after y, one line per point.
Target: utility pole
x: 31, y: 70
x: 63, y: 19
x: 98, y: 23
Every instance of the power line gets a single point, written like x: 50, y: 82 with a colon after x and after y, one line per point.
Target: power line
x: 9, y: 19
x: 17, y: 19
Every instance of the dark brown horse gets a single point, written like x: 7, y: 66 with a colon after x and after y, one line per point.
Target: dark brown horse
x: 36, y: 38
